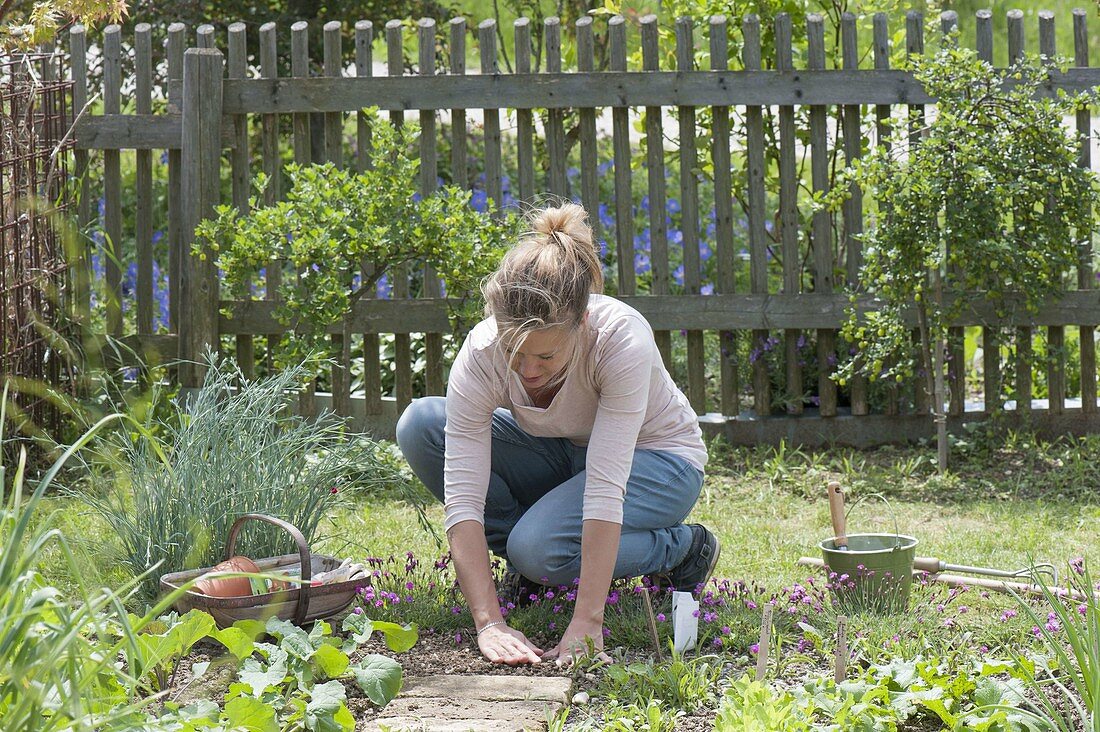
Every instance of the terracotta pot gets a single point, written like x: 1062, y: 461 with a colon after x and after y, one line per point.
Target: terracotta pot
x: 212, y: 585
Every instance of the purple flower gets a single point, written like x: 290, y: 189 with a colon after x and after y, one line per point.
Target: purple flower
x: 1077, y: 564
x: 479, y: 201
x: 384, y: 289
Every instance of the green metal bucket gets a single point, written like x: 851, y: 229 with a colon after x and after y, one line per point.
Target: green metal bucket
x: 874, y: 575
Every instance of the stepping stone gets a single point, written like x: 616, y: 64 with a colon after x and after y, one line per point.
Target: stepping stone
x: 453, y: 703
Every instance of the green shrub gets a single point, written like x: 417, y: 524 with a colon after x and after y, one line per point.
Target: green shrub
x: 233, y: 447
x: 339, y: 233
x: 990, y: 206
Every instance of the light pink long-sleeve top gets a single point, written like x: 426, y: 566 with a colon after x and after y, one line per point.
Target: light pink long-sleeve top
x: 617, y: 397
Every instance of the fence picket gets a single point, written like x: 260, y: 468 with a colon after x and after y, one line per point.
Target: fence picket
x: 332, y: 63
x: 689, y: 219
x: 433, y: 342
x: 757, y: 199
x: 303, y: 155
x: 822, y: 225
x: 1023, y: 334
x: 1056, y: 334
x: 590, y: 183
x: 78, y: 54
x: 788, y: 214
x: 883, y: 128
x: 624, y: 200
x: 372, y: 368
x: 273, y: 168
x: 200, y: 191
x: 525, y: 123
x: 494, y: 184
x: 177, y: 38
x: 655, y: 176
x: 143, y: 181
x: 991, y: 335
x: 240, y: 170
x: 458, y: 116
x: 402, y: 345
x: 555, y: 118
x: 1085, y: 279
x: 853, y: 207
x: 914, y: 46
x: 730, y: 387
x: 112, y: 182
x: 956, y: 337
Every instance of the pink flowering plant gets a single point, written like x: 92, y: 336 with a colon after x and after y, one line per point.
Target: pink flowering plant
x: 408, y: 589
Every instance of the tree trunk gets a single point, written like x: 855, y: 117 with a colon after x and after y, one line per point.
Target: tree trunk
x: 939, y: 409
x: 932, y: 349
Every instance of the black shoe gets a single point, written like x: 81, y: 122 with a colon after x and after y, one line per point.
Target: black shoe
x: 516, y: 589
x: 692, y: 574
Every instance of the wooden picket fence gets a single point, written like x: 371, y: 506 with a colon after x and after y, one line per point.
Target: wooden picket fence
x: 215, y: 106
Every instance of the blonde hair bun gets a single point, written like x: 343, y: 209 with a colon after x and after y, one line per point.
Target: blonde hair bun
x: 568, y: 219
x: 545, y: 279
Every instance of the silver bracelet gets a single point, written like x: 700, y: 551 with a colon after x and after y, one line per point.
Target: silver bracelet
x: 490, y: 625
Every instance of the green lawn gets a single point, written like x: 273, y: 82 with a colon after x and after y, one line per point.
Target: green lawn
x: 769, y: 508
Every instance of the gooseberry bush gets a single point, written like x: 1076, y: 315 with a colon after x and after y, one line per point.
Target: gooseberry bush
x: 989, y: 205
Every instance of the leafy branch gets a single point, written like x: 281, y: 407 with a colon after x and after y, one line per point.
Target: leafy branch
x: 338, y: 233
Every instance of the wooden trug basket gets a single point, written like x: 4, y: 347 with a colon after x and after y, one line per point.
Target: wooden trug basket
x: 301, y: 603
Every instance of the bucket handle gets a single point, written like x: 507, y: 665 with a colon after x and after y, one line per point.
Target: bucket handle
x: 890, y: 508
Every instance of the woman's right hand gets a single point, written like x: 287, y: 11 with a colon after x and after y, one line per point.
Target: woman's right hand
x: 501, y: 644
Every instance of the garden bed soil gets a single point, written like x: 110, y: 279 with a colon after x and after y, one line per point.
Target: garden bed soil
x: 433, y: 655
x: 440, y: 654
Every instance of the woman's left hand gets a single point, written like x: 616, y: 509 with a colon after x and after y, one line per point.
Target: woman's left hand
x: 578, y: 639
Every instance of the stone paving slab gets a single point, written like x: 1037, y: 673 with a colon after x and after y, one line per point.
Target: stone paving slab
x: 474, y: 704
x: 490, y: 688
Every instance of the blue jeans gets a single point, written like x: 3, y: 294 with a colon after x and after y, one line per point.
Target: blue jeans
x: 536, y: 487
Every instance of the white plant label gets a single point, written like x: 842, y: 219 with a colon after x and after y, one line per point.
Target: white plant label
x: 685, y: 621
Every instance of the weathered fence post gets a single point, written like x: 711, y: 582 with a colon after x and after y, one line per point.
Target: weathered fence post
x: 201, y: 158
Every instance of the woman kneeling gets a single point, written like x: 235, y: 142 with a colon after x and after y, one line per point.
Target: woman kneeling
x: 562, y: 445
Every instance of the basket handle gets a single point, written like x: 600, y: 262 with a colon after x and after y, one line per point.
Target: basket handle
x: 303, y: 553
